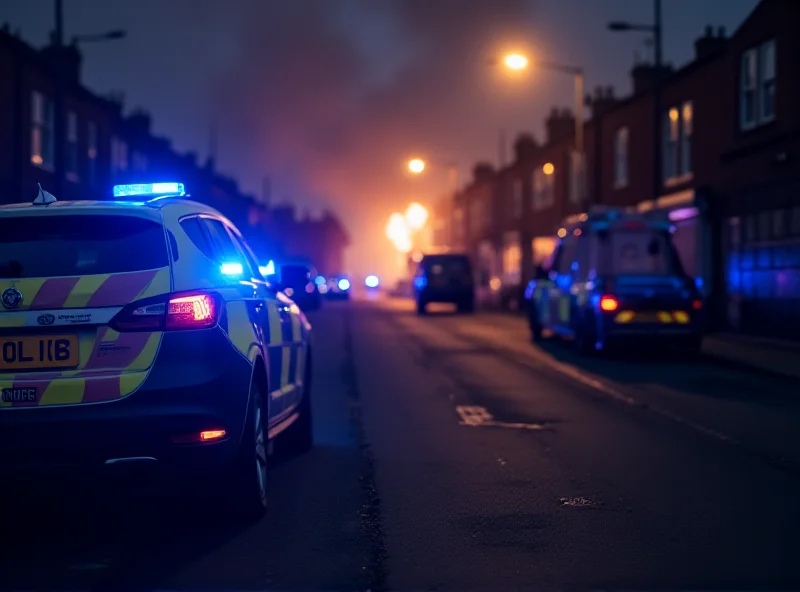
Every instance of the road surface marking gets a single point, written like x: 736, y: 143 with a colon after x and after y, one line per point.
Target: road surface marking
x: 475, y: 416
x: 576, y: 502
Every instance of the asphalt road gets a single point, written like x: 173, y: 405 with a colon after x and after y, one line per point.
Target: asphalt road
x: 453, y: 454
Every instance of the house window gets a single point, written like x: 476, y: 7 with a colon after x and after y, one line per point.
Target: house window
x: 677, y: 143
x: 766, y: 94
x: 119, y: 155
x: 72, y: 146
x: 577, y: 176
x: 516, y: 198
x: 757, y: 86
x: 543, y: 185
x: 91, y: 153
x: 42, y: 129
x: 621, y: 158
x: 687, y: 124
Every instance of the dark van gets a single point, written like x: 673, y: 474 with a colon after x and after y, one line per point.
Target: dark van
x: 445, y: 278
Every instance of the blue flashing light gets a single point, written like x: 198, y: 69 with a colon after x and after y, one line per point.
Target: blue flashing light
x: 268, y: 269
x: 232, y: 269
x: 319, y: 280
x: 372, y: 281
x: 149, y: 190
x: 344, y: 284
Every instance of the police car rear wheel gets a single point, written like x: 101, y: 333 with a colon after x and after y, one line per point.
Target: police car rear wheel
x: 250, y: 472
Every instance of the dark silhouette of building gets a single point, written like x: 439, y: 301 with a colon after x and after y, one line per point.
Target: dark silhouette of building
x: 731, y: 178
x: 105, y: 146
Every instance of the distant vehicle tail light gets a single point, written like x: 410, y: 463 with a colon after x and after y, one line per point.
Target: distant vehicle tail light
x: 608, y: 303
x: 697, y: 304
x: 174, y: 312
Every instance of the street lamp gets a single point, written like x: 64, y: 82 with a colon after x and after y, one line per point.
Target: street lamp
x: 516, y: 61
x: 656, y: 30
x: 416, y: 216
x: 416, y: 165
x: 110, y: 36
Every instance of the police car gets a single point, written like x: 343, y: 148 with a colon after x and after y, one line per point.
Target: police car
x: 616, y: 278
x: 141, y: 332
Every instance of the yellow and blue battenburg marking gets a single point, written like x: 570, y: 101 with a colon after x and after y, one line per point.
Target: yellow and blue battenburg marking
x: 109, y: 365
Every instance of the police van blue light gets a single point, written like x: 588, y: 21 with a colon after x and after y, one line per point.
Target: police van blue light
x: 344, y: 284
x: 268, y: 269
x: 150, y: 190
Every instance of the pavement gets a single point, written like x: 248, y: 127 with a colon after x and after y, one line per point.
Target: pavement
x: 454, y: 455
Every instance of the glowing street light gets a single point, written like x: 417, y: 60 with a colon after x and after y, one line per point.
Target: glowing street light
x: 515, y: 61
x: 396, y: 228
x: 548, y: 168
x: 416, y: 165
x: 416, y: 216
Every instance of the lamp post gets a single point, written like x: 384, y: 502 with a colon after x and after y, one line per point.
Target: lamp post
x: 59, y: 112
x: 656, y: 30
x: 417, y: 166
x: 516, y: 61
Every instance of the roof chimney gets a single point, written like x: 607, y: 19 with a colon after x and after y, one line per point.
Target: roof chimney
x: 602, y: 101
x: 483, y: 171
x: 525, y: 147
x: 644, y: 75
x: 71, y: 59
x: 559, y: 124
x: 710, y: 44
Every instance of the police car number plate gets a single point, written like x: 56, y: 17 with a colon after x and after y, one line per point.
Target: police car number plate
x: 38, y: 353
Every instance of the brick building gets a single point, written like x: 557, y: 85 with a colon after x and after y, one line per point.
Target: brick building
x: 730, y: 174
x: 105, y: 146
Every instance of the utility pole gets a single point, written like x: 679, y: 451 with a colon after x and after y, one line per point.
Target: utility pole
x: 658, y: 66
x: 657, y: 128
x: 58, y: 101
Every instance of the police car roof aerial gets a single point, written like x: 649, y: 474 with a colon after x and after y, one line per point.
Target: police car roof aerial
x: 44, y: 198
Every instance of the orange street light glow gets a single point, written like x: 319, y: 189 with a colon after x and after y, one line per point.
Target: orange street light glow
x: 416, y: 216
x: 548, y: 168
x: 515, y: 61
x: 416, y: 165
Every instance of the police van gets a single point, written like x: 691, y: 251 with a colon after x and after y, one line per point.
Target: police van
x: 615, y: 278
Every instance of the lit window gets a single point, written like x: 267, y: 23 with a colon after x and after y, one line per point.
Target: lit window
x: 42, y: 129
x: 687, y: 124
x: 677, y: 143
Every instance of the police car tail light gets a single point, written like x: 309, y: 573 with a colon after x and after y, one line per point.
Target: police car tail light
x: 608, y: 303
x: 196, y: 311
x: 173, y: 312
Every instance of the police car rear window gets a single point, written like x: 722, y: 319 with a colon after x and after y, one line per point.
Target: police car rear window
x: 638, y: 252
x: 70, y: 245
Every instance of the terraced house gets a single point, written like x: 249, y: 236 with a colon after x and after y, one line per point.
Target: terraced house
x: 730, y: 175
x: 104, y: 146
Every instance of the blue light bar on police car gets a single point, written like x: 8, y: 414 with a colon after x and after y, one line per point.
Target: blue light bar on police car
x: 232, y: 269
x: 149, y: 190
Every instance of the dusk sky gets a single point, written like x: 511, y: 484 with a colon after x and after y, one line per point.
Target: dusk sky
x: 330, y: 97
